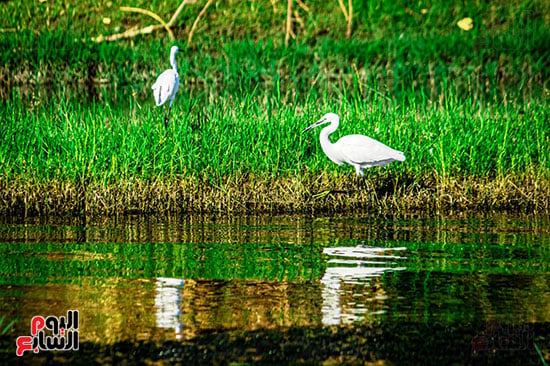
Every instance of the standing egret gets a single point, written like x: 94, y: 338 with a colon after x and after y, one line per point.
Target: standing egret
x: 358, y: 151
x: 167, y: 85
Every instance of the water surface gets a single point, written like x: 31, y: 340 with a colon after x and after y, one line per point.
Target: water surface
x: 179, y: 279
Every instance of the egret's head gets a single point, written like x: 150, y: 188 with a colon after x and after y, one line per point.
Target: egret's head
x: 327, y: 118
x: 174, y: 49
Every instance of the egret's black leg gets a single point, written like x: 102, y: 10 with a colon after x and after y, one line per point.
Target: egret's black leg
x: 361, y: 174
x: 366, y: 183
x: 167, y: 117
x: 369, y: 190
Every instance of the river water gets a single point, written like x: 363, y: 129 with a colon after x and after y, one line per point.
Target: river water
x: 269, y: 285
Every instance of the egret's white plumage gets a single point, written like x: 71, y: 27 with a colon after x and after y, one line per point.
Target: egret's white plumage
x: 166, y: 87
x: 359, y: 151
x: 167, y: 84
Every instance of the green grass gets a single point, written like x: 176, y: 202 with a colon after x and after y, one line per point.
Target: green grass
x: 242, y: 135
x: 542, y: 360
x: 239, y: 48
x: 463, y: 106
x: 7, y: 327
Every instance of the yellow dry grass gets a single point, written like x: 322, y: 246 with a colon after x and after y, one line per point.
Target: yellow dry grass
x: 283, y: 194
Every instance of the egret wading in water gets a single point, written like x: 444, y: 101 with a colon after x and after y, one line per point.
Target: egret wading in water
x: 167, y: 85
x: 358, y: 151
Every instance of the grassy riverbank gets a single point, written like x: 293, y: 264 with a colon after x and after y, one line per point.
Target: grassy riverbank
x: 246, y: 155
x: 469, y: 109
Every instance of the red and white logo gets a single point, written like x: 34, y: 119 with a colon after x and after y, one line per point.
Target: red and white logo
x: 51, y: 334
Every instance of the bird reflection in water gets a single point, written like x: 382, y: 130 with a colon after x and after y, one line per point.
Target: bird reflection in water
x: 347, y: 279
x: 168, y: 304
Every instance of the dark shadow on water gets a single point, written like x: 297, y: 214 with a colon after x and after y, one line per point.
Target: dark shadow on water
x: 396, y: 343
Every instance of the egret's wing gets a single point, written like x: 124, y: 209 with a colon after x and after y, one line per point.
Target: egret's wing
x: 367, y: 152
x: 164, y: 86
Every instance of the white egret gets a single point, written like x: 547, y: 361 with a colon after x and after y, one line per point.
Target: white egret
x: 358, y: 151
x: 167, y: 85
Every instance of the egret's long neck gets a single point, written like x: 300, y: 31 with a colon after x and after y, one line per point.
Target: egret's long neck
x: 326, y: 144
x: 173, y: 61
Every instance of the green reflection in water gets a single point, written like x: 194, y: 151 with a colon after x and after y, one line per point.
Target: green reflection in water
x: 258, y: 273
x: 39, y: 263
x: 68, y: 263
